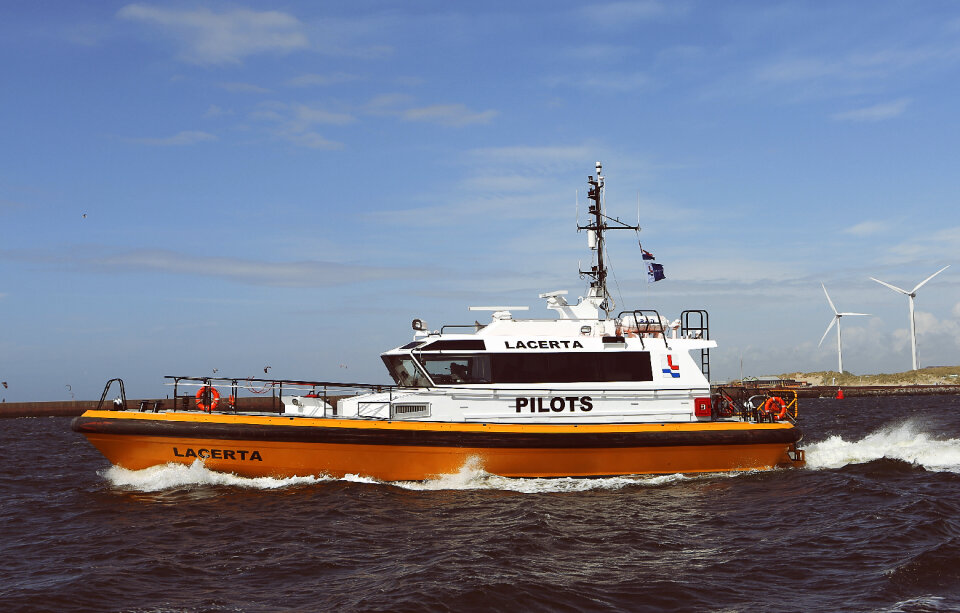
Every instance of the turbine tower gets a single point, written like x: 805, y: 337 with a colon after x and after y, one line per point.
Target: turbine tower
x: 836, y: 320
x: 911, y: 295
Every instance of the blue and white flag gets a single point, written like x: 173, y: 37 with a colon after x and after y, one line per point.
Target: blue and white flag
x: 654, y: 272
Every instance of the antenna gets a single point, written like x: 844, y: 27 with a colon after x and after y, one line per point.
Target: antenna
x: 597, y: 224
x: 577, y: 200
x: 910, y: 296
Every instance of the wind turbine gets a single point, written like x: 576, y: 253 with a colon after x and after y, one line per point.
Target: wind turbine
x: 836, y: 320
x: 911, y: 295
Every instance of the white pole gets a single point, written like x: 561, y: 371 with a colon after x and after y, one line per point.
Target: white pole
x: 913, y: 334
x: 839, y: 349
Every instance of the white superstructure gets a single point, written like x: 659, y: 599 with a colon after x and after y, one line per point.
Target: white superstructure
x: 584, y: 366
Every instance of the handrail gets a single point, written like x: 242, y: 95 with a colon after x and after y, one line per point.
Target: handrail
x: 476, y: 327
x: 106, y: 388
x: 275, y: 386
x: 637, y: 313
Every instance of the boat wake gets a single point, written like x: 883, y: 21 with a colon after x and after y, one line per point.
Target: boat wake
x: 904, y: 441
x: 180, y: 476
x: 470, y: 477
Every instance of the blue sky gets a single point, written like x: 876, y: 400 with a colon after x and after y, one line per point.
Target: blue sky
x: 290, y: 184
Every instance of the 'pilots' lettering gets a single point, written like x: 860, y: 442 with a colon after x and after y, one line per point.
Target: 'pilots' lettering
x: 545, y: 345
x: 219, y: 454
x: 557, y: 404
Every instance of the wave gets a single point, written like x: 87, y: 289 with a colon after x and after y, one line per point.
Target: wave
x: 904, y: 442
x: 471, y: 476
x: 179, y: 476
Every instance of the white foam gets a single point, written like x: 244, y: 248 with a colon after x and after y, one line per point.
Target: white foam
x: 471, y: 476
x: 175, y: 476
x: 902, y: 441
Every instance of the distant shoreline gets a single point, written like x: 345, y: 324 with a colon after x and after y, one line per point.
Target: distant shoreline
x: 852, y: 391
x: 72, y: 408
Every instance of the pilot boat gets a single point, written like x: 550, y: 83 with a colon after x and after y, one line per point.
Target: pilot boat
x: 590, y: 392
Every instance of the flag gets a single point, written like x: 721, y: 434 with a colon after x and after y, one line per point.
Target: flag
x: 654, y: 272
x: 647, y: 255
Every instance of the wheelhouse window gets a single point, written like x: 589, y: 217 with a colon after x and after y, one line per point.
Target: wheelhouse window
x: 451, y: 370
x: 556, y: 367
x: 405, y: 371
x: 571, y: 367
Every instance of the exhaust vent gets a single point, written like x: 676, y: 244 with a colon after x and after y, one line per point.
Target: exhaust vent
x: 402, y: 411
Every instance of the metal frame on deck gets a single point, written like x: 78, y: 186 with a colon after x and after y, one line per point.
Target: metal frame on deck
x: 275, y: 386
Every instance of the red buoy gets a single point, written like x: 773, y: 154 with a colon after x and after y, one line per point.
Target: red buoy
x: 839, y: 394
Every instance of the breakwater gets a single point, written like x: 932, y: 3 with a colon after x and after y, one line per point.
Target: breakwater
x: 851, y: 391
x: 70, y: 408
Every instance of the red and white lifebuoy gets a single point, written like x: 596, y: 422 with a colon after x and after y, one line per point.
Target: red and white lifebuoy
x: 214, y: 398
x: 776, y: 407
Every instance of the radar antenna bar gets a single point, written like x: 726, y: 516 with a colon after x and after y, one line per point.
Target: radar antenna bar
x: 598, y: 223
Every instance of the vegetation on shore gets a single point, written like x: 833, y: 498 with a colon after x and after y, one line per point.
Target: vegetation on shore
x: 934, y: 375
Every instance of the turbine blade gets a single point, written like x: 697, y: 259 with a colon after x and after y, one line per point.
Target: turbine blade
x: 893, y: 287
x: 841, y: 314
x: 930, y: 277
x: 832, y: 321
x: 828, y: 297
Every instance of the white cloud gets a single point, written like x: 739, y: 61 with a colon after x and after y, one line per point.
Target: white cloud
x: 186, y: 137
x: 243, y: 88
x: 877, y: 112
x: 319, y: 80
x: 215, y: 111
x: 305, y: 115
x: 932, y: 333
x: 606, y: 82
x: 295, y: 123
x: 867, y: 228
x: 531, y: 155
x: 252, y: 272
x: 930, y: 246
x: 622, y: 14
x: 208, y: 37
x: 455, y: 115
x: 452, y: 115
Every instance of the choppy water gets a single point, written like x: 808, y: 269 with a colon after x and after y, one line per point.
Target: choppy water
x: 873, y: 524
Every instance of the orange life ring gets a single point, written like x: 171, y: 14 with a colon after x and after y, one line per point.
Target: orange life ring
x: 214, y: 398
x: 775, y: 406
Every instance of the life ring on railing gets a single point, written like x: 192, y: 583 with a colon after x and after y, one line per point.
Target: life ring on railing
x: 214, y: 398
x: 775, y: 407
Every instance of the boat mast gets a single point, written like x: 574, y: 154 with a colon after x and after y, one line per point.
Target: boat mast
x: 596, y: 226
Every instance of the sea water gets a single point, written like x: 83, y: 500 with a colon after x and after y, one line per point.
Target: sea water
x: 872, y: 524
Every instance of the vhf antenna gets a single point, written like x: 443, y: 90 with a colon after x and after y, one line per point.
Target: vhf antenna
x: 596, y: 226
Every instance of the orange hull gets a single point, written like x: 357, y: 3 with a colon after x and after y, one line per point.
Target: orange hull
x: 402, y: 451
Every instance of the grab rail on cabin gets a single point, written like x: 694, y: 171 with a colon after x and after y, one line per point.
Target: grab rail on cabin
x: 476, y: 327
x: 701, y: 331
x: 652, y: 324
x: 122, y: 398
